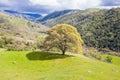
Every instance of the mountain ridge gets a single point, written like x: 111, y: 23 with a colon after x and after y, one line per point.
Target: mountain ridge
x: 25, y: 15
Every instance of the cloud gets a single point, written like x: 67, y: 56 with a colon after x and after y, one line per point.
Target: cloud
x: 22, y: 6
x: 111, y: 2
x: 5, y: 2
x: 67, y: 4
x: 45, y: 2
x: 47, y: 6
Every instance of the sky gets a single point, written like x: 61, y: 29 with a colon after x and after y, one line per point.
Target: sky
x: 48, y: 6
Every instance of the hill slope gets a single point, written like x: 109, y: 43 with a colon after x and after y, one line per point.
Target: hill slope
x: 72, y: 17
x: 18, y: 27
x: 53, y: 15
x: 52, y: 66
x: 99, y: 28
x: 19, y: 34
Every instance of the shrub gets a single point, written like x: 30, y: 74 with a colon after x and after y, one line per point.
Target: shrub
x: 108, y: 59
x: 93, y: 54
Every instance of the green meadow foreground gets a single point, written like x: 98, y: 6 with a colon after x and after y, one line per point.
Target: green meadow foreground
x: 26, y: 65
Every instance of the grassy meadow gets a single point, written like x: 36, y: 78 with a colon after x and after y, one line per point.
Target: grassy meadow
x: 28, y: 65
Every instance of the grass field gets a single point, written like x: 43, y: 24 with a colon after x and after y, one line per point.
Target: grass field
x: 26, y: 65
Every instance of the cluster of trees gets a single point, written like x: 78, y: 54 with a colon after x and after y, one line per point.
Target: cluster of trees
x: 102, y: 30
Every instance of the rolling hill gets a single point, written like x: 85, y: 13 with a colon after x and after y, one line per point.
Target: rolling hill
x: 14, y: 26
x: 18, y: 33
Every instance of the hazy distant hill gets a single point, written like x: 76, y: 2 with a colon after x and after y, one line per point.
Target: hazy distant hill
x: 53, y: 15
x: 73, y: 17
x: 28, y: 16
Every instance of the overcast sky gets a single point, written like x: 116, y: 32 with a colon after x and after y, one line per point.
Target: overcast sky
x: 47, y: 6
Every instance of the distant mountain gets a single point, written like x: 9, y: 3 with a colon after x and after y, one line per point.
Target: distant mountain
x: 11, y: 12
x: 53, y: 15
x: 28, y: 16
x: 73, y: 17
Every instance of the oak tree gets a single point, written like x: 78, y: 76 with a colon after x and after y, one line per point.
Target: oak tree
x: 63, y: 37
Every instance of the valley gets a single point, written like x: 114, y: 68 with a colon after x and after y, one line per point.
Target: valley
x: 68, y: 44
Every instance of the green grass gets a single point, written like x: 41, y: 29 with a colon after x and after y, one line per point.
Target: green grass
x: 26, y: 65
x: 115, y: 59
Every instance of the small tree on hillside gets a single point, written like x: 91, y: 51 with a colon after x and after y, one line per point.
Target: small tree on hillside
x: 63, y: 37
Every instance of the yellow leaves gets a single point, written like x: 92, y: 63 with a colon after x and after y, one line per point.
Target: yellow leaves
x: 65, y: 36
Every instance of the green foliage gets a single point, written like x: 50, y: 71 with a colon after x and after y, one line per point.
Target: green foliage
x: 39, y: 41
x: 63, y: 37
x: 102, y: 30
x: 108, y: 59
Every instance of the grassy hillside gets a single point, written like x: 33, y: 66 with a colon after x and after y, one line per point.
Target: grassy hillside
x: 51, y: 66
x: 18, y: 27
x: 19, y: 34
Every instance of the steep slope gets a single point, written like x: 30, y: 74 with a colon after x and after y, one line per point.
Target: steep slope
x: 73, y: 17
x: 102, y: 29
x: 53, y: 15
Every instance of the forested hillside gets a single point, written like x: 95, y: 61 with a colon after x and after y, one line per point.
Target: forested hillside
x: 99, y: 28
x: 102, y: 30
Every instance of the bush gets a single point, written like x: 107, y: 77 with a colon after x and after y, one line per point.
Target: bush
x: 108, y: 59
x: 93, y: 54
x: 2, y: 43
x: 15, y: 44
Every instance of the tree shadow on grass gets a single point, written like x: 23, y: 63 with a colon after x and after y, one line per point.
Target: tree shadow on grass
x: 45, y: 56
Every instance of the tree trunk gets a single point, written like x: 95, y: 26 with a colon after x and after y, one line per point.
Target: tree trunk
x: 63, y: 52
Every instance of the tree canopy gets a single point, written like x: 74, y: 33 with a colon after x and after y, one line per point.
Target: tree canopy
x: 63, y: 37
